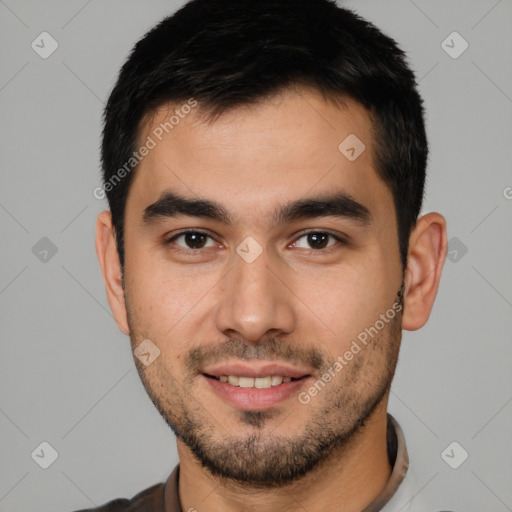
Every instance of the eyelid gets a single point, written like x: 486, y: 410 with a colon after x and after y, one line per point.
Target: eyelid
x: 167, y: 239
x: 340, y: 237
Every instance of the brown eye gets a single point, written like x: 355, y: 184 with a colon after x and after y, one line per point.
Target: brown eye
x: 193, y: 240
x: 316, y: 240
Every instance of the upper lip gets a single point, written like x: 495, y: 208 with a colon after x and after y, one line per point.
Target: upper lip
x: 255, y: 369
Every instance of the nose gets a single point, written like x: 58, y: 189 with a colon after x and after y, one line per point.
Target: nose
x: 254, y: 303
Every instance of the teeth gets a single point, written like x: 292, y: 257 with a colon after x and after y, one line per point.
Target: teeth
x: 233, y: 380
x: 257, y: 382
x: 276, y: 380
x: 263, y: 382
x: 246, y: 382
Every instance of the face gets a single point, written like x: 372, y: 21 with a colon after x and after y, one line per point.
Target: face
x: 256, y: 252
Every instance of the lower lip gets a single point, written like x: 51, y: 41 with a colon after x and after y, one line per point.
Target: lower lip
x: 253, y: 399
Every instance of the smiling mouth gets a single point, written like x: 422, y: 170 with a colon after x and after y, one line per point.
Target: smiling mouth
x: 254, y: 382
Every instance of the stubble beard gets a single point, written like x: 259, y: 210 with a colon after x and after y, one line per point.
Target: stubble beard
x: 263, y: 458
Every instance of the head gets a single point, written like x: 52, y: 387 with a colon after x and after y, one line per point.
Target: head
x: 264, y: 164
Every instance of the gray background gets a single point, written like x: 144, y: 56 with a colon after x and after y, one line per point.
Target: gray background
x: 67, y: 375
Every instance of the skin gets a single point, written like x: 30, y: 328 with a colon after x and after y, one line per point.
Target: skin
x: 290, y: 303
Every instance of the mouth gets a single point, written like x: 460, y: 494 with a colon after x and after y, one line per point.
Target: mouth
x: 258, y: 386
x: 266, y: 382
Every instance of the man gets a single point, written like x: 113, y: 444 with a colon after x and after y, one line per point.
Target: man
x: 264, y: 164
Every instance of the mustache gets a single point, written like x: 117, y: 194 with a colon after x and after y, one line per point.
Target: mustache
x: 270, y: 350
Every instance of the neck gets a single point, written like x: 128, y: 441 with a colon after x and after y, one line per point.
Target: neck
x: 347, y: 481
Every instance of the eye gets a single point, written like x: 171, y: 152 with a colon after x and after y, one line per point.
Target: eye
x: 316, y: 240
x: 192, y: 240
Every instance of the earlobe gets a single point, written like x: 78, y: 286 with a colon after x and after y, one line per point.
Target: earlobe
x: 108, y: 257
x: 425, y: 260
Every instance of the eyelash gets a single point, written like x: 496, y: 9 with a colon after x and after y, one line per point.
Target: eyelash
x: 342, y: 241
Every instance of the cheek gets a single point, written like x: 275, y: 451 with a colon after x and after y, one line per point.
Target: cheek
x: 165, y: 300
x: 346, y: 300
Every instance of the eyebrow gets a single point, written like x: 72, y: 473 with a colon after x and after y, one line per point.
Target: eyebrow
x: 171, y: 205
x: 338, y: 204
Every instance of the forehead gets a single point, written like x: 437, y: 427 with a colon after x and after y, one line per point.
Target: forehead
x: 286, y: 147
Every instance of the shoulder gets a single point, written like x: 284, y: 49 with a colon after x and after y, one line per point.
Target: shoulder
x: 151, y: 498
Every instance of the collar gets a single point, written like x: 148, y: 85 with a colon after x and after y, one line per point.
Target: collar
x: 399, y: 459
x: 397, y: 453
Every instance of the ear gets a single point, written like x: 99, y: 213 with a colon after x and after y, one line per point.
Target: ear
x: 108, y: 257
x: 425, y: 260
